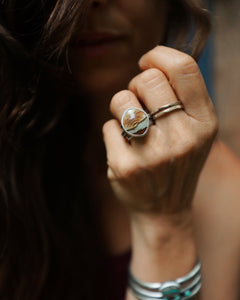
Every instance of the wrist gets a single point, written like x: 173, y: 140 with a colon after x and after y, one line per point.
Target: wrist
x: 157, y: 231
x: 162, y: 247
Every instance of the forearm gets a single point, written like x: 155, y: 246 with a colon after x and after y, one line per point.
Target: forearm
x: 163, y: 248
x: 218, y: 243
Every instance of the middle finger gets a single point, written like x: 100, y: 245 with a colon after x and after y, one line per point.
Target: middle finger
x: 153, y: 88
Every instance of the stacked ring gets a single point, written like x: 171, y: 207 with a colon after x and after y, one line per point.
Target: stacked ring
x: 165, y: 109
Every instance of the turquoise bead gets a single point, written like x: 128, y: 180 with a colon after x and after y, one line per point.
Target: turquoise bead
x: 170, y: 291
x: 187, y: 293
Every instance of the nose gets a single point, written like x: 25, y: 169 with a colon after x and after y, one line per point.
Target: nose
x: 98, y: 3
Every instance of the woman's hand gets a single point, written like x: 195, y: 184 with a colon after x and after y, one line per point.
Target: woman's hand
x: 155, y: 176
x: 158, y: 172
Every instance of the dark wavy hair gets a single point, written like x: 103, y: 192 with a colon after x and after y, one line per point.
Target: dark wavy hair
x: 49, y: 247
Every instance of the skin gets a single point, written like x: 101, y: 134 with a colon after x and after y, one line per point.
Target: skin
x: 102, y: 76
x: 148, y: 193
x: 140, y: 32
x: 217, y: 222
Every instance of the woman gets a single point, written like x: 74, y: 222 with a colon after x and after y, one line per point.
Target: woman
x: 62, y: 64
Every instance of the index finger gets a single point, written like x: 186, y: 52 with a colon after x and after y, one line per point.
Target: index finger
x: 184, y: 76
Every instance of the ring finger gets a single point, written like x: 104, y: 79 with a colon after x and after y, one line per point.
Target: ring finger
x: 126, y: 107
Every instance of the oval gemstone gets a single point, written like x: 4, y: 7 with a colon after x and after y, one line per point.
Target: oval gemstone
x: 135, y: 122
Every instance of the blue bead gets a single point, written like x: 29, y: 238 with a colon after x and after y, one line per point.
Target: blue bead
x: 187, y: 293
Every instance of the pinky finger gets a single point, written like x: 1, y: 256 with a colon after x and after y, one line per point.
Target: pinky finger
x: 117, y: 147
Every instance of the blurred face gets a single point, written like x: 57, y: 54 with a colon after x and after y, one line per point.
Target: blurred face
x: 104, y: 55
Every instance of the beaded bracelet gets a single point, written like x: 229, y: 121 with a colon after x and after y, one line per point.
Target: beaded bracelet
x: 182, y: 288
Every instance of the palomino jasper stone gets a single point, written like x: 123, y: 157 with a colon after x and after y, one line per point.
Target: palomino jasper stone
x: 135, y: 122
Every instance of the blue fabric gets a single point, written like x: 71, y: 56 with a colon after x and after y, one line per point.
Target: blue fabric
x: 206, y: 61
x: 206, y: 66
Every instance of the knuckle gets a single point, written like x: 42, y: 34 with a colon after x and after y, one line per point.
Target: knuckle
x: 186, y: 65
x: 211, y: 126
x: 155, y: 50
x: 120, y: 99
x: 110, y: 174
x: 152, y: 77
x: 126, y: 169
x: 211, y: 131
x: 107, y: 126
x: 151, y: 53
x: 132, y: 83
x: 121, y: 171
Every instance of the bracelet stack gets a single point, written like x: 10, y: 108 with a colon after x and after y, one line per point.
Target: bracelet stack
x: 182, y: 288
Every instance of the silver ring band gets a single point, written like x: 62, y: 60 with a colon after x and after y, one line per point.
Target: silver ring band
x: 165, y: 109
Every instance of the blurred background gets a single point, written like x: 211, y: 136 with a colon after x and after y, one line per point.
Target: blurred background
x: 226, y: 33
x: 220, y: 65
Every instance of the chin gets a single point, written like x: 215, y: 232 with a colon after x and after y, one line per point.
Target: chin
x: 106, y: 83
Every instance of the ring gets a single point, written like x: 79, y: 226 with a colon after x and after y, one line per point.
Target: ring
x: 165, y: 109
x: 134, y: 122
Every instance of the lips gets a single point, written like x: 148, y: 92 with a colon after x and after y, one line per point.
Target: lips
x: 93, y: 39
x: 97, y: 44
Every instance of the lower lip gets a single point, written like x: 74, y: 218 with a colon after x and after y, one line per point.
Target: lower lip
x: 98, y: 49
